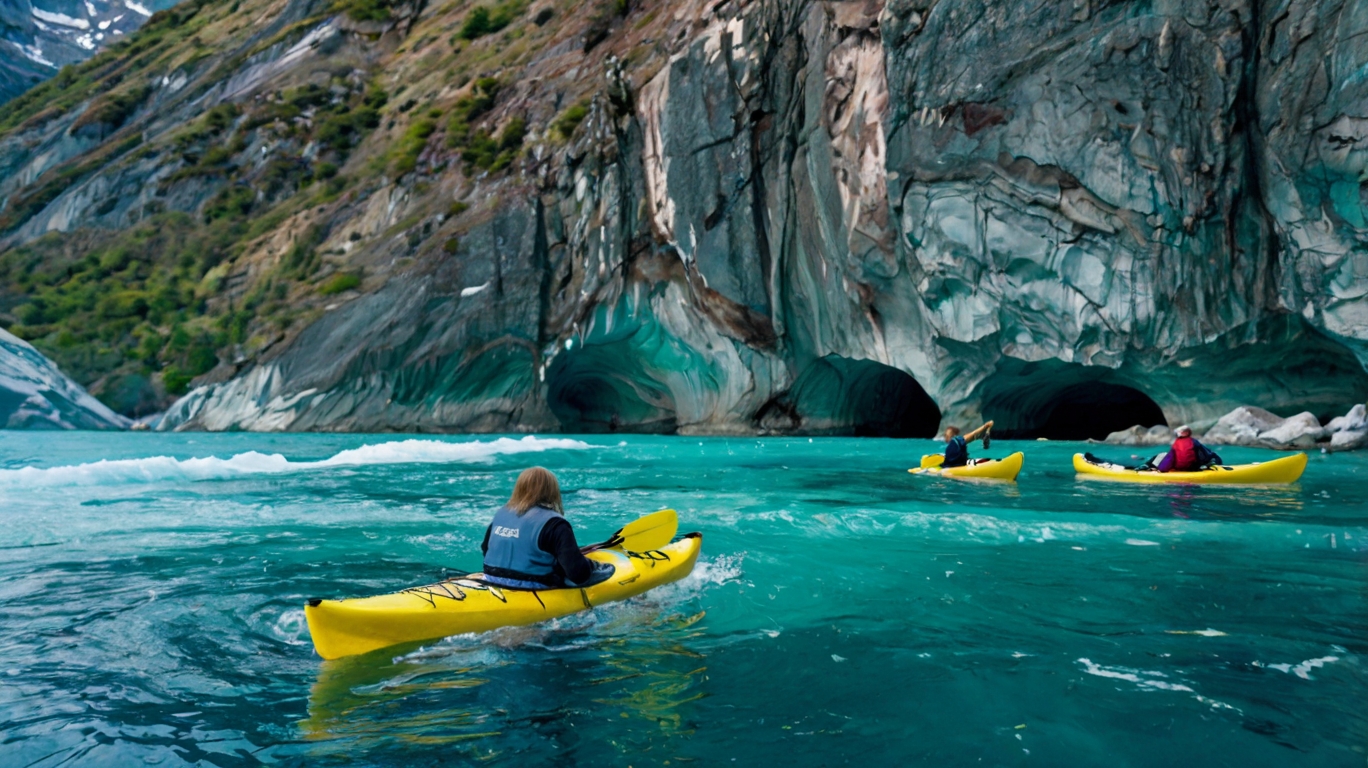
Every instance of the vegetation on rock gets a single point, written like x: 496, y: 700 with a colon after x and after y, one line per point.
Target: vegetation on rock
x: 235, y: 225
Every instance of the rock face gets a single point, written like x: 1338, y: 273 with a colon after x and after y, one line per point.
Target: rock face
x: 817, y: 217
x: 1257, y: 428
x: 39, y: 37
x: 35, y: 395
x: 1260, y: 429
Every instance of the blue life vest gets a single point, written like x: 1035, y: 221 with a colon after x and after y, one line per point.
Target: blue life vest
x: 956, y: 452
x: 513, y: 542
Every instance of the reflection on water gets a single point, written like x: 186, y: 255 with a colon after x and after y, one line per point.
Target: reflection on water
x: 629, y: 662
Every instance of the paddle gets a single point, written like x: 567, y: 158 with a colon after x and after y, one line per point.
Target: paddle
x: 932, y: 460
x: 644, y: 534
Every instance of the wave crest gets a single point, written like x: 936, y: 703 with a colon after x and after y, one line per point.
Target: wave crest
x: 161, y: 468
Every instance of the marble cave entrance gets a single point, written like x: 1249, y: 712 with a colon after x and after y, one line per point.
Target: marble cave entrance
x: 839, y: 396
x: 604, y: 388
x: 1064, y: 402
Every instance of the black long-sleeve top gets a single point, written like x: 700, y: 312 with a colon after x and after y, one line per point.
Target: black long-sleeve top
x: 557, y: 539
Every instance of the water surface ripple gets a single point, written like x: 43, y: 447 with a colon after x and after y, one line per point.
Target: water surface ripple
x: 844, y: 611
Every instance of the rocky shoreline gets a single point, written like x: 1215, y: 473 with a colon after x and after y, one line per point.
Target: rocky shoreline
x: 1255, y: 427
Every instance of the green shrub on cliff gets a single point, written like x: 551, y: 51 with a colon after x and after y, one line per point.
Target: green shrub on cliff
x: 411, y: 145
x: 340, y: 283
x: 131, y: 300
x: 483, y: 20
x: 565, y: 125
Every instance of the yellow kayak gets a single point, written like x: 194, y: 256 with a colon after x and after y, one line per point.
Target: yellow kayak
x: 1284, y: 470
x: 1006, y: 468
x: 467, y: 604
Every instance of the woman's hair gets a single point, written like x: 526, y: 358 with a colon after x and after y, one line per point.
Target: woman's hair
x: 952, y: 431
x: 536, y: 487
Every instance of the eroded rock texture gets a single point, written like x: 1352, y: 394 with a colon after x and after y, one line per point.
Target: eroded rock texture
x: 35, y: 395
x: 815, y: 217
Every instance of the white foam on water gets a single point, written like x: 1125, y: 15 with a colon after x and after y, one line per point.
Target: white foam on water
x: 1302, y: 670
x: 163, y: 468
x: 291, y: 627
x: 1142, y: 678
x: 1147, y: 680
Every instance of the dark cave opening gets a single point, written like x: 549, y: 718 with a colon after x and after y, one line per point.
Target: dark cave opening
x: 604, y: 389
x: 1062, y: 401
x: 1095, y: 410
x: 840, y: 396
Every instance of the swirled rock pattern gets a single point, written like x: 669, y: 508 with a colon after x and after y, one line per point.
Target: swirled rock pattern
x: 35, y: 395
x: 790, y: 216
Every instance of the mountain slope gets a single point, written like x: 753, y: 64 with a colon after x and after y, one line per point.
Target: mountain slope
x: 779, y: 216
x: 38, y: 37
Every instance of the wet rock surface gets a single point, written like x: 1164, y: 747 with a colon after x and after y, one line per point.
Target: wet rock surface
x: 814, y: 216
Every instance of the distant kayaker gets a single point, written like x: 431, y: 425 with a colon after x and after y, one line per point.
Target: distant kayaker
x: 957, y: 445
x: 1187, y: 454
x: 530, y: 544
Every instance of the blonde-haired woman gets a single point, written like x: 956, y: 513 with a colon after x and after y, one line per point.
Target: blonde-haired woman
x: 530, y: 544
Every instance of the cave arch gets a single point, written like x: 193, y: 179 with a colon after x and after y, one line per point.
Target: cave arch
x: 1097, y: 409
x: 1064, y: 401
x: 604, y: 388
x: 840, y: 396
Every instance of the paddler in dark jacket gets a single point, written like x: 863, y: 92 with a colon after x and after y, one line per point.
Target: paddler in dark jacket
x: 1187, y: 454
x: 530, y: 544
x: 957, y: 445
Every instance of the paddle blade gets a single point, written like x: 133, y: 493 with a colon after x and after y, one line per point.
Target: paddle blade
x: 644, y: 534
x: 650, y: 532
x: 932, y: 460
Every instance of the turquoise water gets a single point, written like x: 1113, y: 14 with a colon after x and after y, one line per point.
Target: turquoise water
x: 844, y: 611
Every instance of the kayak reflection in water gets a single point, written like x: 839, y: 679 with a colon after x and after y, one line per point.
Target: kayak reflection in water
x: 530, y: 544
x: 1187, y: 454
x: 957, y: 445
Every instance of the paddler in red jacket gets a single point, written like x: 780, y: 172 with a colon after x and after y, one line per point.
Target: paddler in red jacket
x: 1187, y: 454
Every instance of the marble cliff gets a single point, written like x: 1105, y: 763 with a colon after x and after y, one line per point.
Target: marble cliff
x: 781, y: 216
x: 35, y: 395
